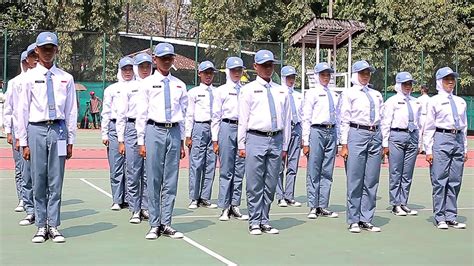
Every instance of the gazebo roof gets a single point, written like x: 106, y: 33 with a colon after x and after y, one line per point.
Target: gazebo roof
x: 329, y: 30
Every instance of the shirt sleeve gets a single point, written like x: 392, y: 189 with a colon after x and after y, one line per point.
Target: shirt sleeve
x: 244, y: 111
x: 122, y: 109
x: 142, y: 113
x: 106, y: 112
x: 24, y: 99
x: 287, y: 124
x: 70, y: 111
x: 216, y: 114
x: 307, y: 115
x: 346, y: 107
x: 189, y: 118
x: 430, y: 126
x: 8, y: 109
x: 464, y: 131
x: 386, y: 123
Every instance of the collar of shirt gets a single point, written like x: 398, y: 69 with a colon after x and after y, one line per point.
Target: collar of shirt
x: 263, y: 82
x: 157, y: 75
x: 43, y: 70
x: 444, y: 93
x: 204, y: 86
x: 233, y: 84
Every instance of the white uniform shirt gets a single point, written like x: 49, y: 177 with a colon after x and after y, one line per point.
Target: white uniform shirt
x: 127, y: 107
x: 226, y: 105
x: 153, y: 103
x: 298, y: 98
x: 355, y: 108
x: 395, y: 115
x: 33, y: 101
x: 10, y: 105
x: 254, y: 110
x: 316, y: 110
x: 199, y: 106
x: 111, y: 103
x: 440, y: 115
x: 423, y: 99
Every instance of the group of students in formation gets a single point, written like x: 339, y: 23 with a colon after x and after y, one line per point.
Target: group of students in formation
x: 257, y: 130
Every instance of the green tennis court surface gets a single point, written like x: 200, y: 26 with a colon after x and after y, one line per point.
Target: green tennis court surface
x: 96, y: 235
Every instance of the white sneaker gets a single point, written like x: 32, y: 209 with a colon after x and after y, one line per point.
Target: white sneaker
x: 225, y: 215
x: 266, y: 228
x: 354, y: 228
x: 408, y: 210
x: 282, y: 203
x: 255, y: 230
x: 235, y: 211
x: 55, y: 235
x: 442, y: 225
x: 293, y: 203
x: 398, y: 211
x: 20, y: 207
x: 168, y: 231
x: 312, y: 214
x: 135, y: 219
x: 369, y: 227
x: 28, y: 220
x: 40, y: 236
x: 115, y: 207
x: 207, y: 204
x: 153, y: 233
x: 456, y: 225
x: 326, y: 213
x: 193, y: 205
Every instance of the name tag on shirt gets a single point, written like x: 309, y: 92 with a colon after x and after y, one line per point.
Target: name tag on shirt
x: 156, y: 86
x: 63, y: 81
x: 322, y: 95
x: 201, y: 95
x: 62, y: 147
x: 258, y: 91
x: 401, y: 103
x: 233, y: 93
x: 39, y: 81
x: 134, y: 90
x: 445, y: 103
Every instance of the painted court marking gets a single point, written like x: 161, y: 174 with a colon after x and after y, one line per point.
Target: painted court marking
x: 187, y: 239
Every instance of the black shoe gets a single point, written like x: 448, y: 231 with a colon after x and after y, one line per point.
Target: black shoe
x: 369, y: 227
x: 29, y: 219
x: 326, y: 213
x: 398, y: 211
x: 235, y: 211
x: 266, y: 228
x: 55, y: 235
x: 456, y: 225
x: 408, y: 210
x: 207, y: 204
x: 124, y: 205
x: 41, y: 235
x: 168, y: 231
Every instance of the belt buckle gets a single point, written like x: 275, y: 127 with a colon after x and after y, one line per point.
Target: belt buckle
x: 371, y: 128
x: 270, y: 134
x: 49, y: 122
x: 168, y: 125
x: 454, y: 131
x: 328, y: 126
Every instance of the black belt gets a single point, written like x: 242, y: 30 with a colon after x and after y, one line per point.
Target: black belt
x: 113, y: 120
x: 399, y: 129
x: 294, y: 124
x: 131, y: 120
x: 166, y: 125
x: 262, y: 133
x: 47, y: 122
x: 203, y: 122
x: 369, y: 128
x: 323, y: 126
x: 230, y: 121
x: 443, y: 130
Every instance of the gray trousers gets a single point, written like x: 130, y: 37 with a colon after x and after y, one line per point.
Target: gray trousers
x: 232, y: 167
x: 116, y: 165
x: 135, y: 169
x: 162, y: 167
x: 202, y: 163
x: 293, y: 158
x: 27, y: 187
x: 446, y: 174
x: 18, y: 169
x: 47, y: 171
x: 322, y: 154
x: 403, y: 149
x: 363, y: 172
x: 262, y: 166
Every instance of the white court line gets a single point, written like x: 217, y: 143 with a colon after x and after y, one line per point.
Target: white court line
x: 187, y: 239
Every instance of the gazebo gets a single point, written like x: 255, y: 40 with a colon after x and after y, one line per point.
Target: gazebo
x: 326, y: 33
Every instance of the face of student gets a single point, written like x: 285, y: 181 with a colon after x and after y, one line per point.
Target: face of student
x: 407, y: 87
x: 32, y: 60
x: 164, y: 63
x: 290, y: 80
x: 127, y: 72
x: 206, y: 76
x: 46, y: 53
x: 265, y: 70
x: 144, y: 69
x: 236, y: 73
x: 449, y: 82
x: 324, y: 77
x: 364, y: 77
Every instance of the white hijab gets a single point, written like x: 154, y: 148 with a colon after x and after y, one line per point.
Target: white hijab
x: 229, y: 79
x: 120, y: 77
x: 439, y: 86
